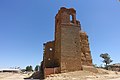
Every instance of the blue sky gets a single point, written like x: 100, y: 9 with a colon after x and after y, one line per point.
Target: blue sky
x: 26, y: 24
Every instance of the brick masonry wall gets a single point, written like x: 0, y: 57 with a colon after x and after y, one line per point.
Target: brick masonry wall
x: 49, y: 71
x: 70, y: 48
x: 48, y: 58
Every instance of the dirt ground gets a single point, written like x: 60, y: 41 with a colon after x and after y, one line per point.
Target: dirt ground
x: 77, y: 75
x: 85, y: 75
x: 12, y: 76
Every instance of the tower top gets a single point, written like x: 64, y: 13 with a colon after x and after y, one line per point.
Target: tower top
x: 68, y: 10
x: 67, y: 16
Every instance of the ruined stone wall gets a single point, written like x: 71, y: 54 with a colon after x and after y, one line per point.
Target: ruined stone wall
x: 85, y: 50
x: 48, y: 58
x: 67, y: 45
x: 70, y: 50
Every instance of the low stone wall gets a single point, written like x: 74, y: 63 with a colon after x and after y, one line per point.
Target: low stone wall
x: 48, y: 71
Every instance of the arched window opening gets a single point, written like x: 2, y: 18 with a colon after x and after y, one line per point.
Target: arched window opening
x: 70, y: 18
x: 50, y: 49
x: 49, y: 59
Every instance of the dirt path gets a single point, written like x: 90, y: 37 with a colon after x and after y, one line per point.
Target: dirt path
x: 12, y: 76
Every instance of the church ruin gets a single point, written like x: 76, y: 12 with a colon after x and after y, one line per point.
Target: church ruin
x: 70, y: 49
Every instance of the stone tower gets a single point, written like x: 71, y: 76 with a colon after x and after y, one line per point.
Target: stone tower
x: 70, y: 49
x: 67, y: 40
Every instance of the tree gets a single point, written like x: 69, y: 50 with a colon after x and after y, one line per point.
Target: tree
x: 29, y: 68
x: 37, y: 68
x: 95, y: 65
x: 107, y: 60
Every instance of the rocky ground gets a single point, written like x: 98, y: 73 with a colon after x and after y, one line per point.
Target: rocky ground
x: 77, y: 75
x: 85, y: 75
